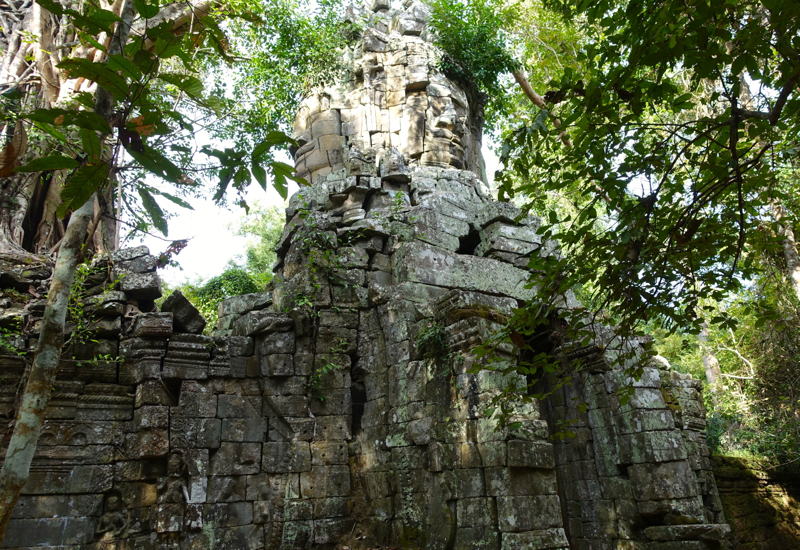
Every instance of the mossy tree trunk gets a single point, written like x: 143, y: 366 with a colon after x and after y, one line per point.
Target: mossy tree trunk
x: 789, y: 245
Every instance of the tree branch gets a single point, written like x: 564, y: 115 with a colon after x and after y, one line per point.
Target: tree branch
x: 539, y: 101
x: 774, y: 114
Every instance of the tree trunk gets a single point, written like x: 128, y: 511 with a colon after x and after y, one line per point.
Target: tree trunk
x: 789, y: 247
x: 539, y: 101
x: 50, y: 230
x: 710, y: 362
x: 17, y: 190
x: 32, y: 68
x: 16, y: 467
x: 22, y: 446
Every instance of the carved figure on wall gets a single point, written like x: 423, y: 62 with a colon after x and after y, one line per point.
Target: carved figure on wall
x: 114, y: 523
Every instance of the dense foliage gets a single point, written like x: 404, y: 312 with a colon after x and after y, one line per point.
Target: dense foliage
x: 473, y: 38
x: 262, y: 226
x: 287, y: 47
x: 754, y: 411
x: 681, y: 121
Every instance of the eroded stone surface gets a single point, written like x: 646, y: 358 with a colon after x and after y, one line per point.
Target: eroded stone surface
x: 311, y: 417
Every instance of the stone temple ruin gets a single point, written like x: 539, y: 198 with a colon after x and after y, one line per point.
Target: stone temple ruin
x: 309, y: 419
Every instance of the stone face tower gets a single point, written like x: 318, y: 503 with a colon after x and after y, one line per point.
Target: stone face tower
x: 316, y: 416
x: 394, y: 98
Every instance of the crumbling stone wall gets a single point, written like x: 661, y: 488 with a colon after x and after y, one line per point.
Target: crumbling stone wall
x: 638, y: 470
x: 311, y: 418
x: 761, y: 505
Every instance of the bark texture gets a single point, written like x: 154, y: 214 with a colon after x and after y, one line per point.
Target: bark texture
x: 789, y: 247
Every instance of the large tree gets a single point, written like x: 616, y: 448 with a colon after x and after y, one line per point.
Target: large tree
x: 679, y: 120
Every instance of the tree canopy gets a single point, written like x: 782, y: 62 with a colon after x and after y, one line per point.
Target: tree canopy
x: 669, y: 184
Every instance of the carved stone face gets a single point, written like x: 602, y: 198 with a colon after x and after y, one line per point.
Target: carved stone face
x: 446, y: 137
x: 396, y: 98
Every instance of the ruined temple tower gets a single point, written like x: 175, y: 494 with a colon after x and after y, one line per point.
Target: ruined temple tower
x: 311, y: 419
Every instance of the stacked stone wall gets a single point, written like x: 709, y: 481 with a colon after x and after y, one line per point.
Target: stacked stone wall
x: 311, y: 417
x: 761, y: 505
x: 637, y: 471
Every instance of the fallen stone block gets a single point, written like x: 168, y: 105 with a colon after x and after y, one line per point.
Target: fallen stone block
x: 237, y: 305
x: 153, y: 324
x: 185, y: 317
x: 261, y: 322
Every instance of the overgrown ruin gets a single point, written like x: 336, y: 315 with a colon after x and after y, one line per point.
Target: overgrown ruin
x: 310, y: 419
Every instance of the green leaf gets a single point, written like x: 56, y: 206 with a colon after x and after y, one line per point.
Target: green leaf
x: 81, y: 119
x: 177, y: 200
x: 167, y: 47
x: 241, y: 178
x: 738, y: 65
x: 281, y: 172
x: 13, y: 93
x: 79, y: 188
x: 260, y: 174
x: 682, y: 98
x: 153, y: 210
x: 271, y: 139
x: 84, y: 98
x: 147, y: 11
x: 163, y: 29
x: 53, y: 162
x: 86, y: 37
x: 51, y: 6
x: 153, y: 161
x: 186, y: 83
x: 225, y: 176
x: 52, y: 132
x: 218, y: 39
x: 279, y: 183
x: 91, y: 144
x: 96, y: 22
x: 121, y: 63
x: 144, y: 59
x: 105, y: 77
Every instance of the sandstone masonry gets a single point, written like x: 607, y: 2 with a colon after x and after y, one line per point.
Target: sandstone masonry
x: 311, y: 419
